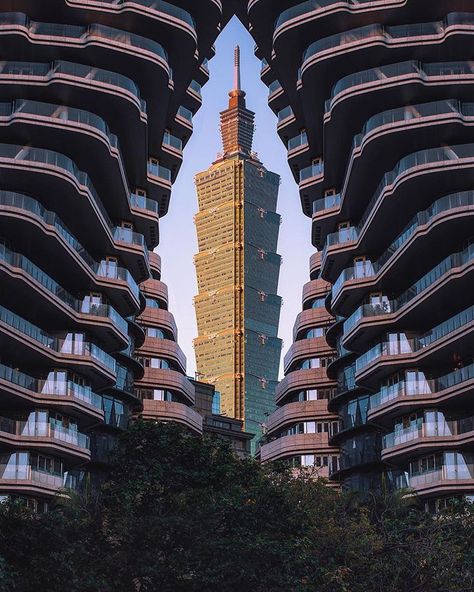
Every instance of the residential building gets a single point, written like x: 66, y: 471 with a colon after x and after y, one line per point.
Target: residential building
x: 96, y: 107
x: 374, y: 104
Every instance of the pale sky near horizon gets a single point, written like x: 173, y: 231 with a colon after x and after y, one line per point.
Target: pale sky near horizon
x: 178, y: 242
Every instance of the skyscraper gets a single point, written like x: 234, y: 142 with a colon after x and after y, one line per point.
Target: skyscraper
x: 237, y: 307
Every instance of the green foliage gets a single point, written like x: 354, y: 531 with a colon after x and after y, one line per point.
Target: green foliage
x: 179, y: 513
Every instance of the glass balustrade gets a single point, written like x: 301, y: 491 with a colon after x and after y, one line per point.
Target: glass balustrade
x: 285, y: 113
x: 409, y: 68
x: 196, y: 87
x: 82, y: 33
x: 19, y: 261
x: 325, y: 203
x: 274, y: 87
x: 391, y: 306
x: 173, y: 141
x: 144, y: 203
x: 298, y: 141
x: 53, y: 429
x: 71, y: 344
x: 185, y: 114
x: 102, y: 269
x: 417, y: 159
x: 431, y: 424
x: 314, y: 170
x: 157, y: 170
x: 399, y: 344
x: 443, y: 466
x: 158, y: 5
x: 387, y: 33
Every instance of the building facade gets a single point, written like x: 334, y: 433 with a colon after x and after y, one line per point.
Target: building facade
x: 96, y: 105
x: 237, y: 308
x: 374, y: 103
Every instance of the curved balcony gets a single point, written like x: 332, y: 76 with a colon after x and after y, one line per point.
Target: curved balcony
x: 309, y: 318
x: 311, y: 175
x: 82, y: 36
x: 327, y: 58
x: 169, y: 380
x: 46, y: 436
x: 350, y: 108
x: 298, y: 149
x: 300, y: 380
x: 387, y: 36
x: 73, y: 351
x: 101, y: 318
x: 67, y: 395
x: 422, y: 125
x: 303, y: 349
x: 158, y: 317
x: 298, y: 411
x: 448, y: 473
x: 433, y: 166
x: 315, y: 290
x: 427, y: 436
x: 453, y: 274
x: 112, y: 96
x: 412, y: 394
x: 155, y: 264
x: 164, y: 348
x: 288, y: 446
x: 42, y: 170
x: 156, y: 289
x: 20, y: 477
x: 411, y: 351
x: 172, y: 411
x: 426, y: 226
x: 115, y: 281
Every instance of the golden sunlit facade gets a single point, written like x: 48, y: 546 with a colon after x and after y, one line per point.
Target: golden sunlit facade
x: 237, y: 309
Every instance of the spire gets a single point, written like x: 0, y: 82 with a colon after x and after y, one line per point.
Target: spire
x: 237, y: 68
x: 237, y: 122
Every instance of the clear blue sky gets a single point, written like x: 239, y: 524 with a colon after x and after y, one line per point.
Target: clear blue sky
x: 178, y: 235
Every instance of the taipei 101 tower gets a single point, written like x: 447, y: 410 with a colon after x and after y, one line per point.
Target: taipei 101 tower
x: 237, y: 307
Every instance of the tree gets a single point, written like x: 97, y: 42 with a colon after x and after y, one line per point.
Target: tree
x: 182, y: 513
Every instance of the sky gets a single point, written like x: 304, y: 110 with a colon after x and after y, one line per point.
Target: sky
x: 178, y: 242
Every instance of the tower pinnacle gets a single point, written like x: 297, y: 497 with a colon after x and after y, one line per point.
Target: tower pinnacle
x: 237, y: 122
x: 237, y: 68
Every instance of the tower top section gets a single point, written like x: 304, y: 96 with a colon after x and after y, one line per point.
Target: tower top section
x: 237, y: 68
x: 237, y: 122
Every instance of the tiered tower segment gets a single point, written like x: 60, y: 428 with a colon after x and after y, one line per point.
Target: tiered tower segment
x: 237, y: 267
x: 375, y: 105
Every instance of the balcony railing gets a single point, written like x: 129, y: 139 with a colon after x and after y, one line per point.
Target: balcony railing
x: 156, y: 170
x: 185, y: 114
x: 71, y: 344
x: 402, y: 345
x: 427, y: 429
x: 173, y: 141
x: 300, y: 140
x: 410, y: 68
x: 144, y: 203
x: 388, y: 33
x: 391, y: 306
x: 77, y: 32
x: 314, y: 170
x: 285, y: 113
x: 330, y: 201
x: 43, y: 429
x: 156, y: 5
x: 421, y: 386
